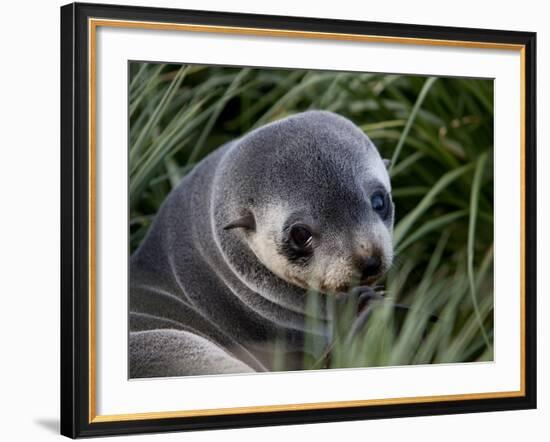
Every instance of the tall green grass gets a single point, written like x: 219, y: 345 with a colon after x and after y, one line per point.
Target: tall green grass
x: 438, y: 133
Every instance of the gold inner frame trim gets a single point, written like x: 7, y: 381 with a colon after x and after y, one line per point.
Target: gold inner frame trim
x: 92, y: 28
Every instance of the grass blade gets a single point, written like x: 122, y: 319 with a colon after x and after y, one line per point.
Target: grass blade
x: 478, y: 175
x: 425, y: 89
x: 407, y: 222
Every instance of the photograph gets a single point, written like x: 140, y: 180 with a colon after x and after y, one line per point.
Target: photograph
x: 275, y: 220
x: 298, y: 219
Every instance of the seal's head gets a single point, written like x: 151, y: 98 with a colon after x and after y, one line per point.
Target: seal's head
x: 313, y: 202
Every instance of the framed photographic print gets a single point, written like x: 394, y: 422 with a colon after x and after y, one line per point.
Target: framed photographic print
x: 274, y: 220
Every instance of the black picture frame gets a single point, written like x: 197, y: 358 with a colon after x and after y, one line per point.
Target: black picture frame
x: 75, y: 219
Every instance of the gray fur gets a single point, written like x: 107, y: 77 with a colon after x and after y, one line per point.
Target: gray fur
x: 178, y: 353
x: 211, y: 291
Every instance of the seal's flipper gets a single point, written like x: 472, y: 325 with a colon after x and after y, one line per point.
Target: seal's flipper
x: 159, y: 353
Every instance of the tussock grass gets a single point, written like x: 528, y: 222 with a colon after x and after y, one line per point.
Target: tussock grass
x: 438, y: 133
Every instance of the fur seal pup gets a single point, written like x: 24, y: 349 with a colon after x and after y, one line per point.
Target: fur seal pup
x: 223, y: 273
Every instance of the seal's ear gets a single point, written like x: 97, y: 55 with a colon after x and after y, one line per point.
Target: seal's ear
x: 246, y: 221
x: 387, y: 163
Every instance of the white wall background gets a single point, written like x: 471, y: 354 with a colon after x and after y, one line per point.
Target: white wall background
x: 29, y: 220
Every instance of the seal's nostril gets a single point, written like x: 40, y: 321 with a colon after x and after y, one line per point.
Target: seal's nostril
x: 370, y: 266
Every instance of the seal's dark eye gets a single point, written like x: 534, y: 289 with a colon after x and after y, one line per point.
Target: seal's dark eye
x: 378, y: 202
x: 301, y: 236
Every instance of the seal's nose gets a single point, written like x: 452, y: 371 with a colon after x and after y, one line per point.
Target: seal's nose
x: 370, y: 266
